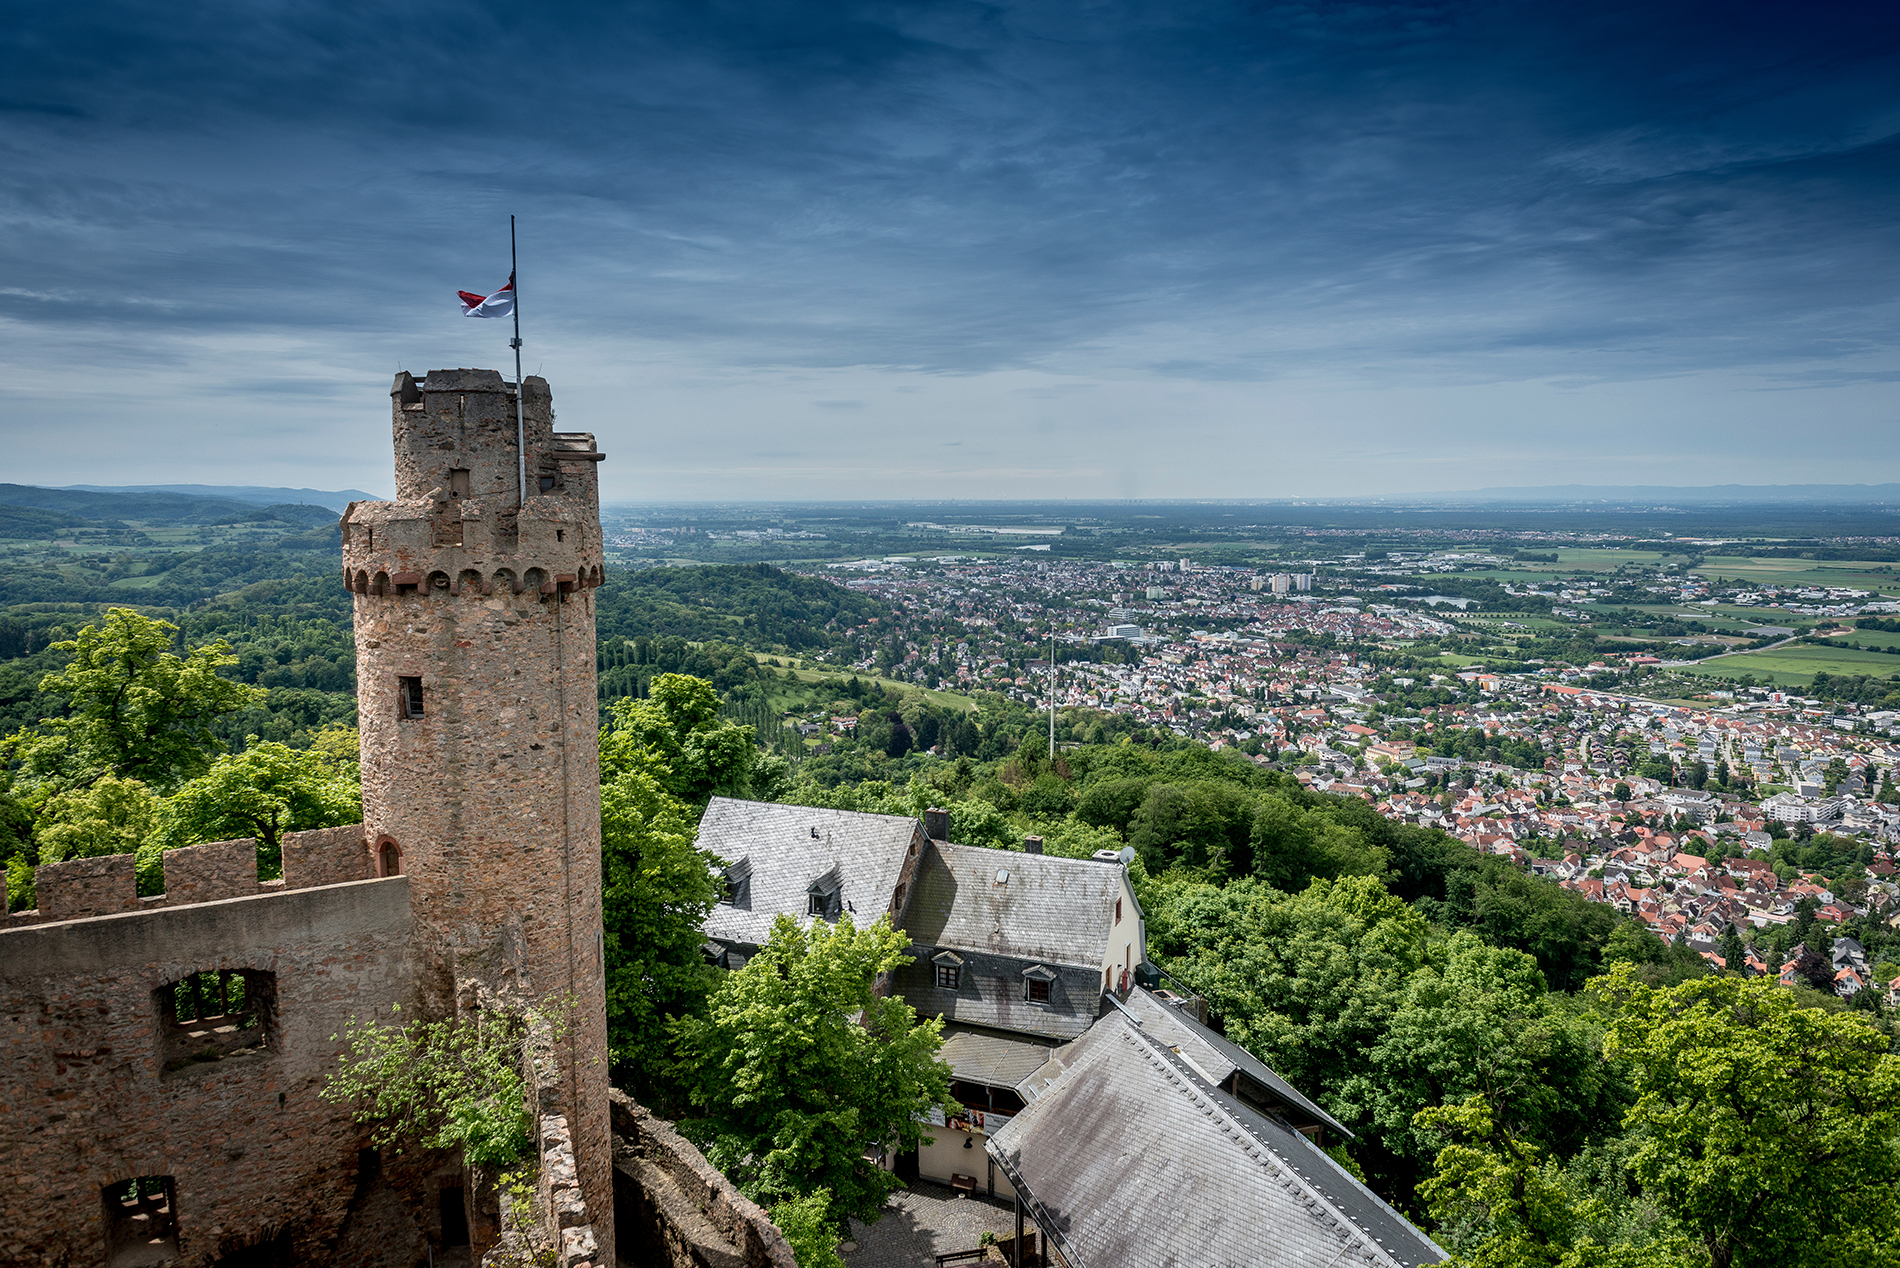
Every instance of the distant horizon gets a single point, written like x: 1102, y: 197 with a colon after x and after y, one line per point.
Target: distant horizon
x: 1795, y: 494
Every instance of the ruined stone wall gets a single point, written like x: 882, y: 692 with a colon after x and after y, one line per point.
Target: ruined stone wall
x: 205, y: 873
x: 672, y: 1207
x: 477, y: 705
x: 80, y: 888
x: 93, y: 1090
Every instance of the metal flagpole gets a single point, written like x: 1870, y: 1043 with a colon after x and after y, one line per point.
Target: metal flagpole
x: 521, y: 430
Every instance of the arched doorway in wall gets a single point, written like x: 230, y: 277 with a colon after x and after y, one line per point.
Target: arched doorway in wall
x: 388, y: 857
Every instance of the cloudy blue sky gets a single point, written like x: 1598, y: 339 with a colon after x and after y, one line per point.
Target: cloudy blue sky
x: 781, y: 250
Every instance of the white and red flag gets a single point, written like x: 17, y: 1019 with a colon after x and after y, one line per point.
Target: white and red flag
x: 500, y: 304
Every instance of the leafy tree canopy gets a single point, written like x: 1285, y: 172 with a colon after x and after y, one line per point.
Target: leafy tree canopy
x: 798, y: 1066
x: 676, y: 737
x: 135, y: 708
x: 656, y: 891
x: 263, y: 792
x: 1768, y: 1129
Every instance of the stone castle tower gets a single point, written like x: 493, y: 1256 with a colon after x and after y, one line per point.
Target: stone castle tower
x: 477, y: 707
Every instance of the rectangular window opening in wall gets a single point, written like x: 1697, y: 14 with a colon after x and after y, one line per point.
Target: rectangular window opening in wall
x: 214, y: 1016
x: 141, y: 1222
x: 547, y: 484
x: 409, y: 697
x: 1118, y: 911
x: 560, y: 534
x: 458, y: 482
x: 1036, y: 990
x: 949, y: 977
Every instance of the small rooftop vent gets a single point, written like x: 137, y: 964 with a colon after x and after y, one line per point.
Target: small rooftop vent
x: 1002, y: 876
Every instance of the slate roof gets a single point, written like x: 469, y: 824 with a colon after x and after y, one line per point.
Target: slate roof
x: 978, y: 1056
x: 1052, y: 910
x: 1214, y: 1055
x: 1132, y: 1160
x: 990, y: 993
x: 867, y: 852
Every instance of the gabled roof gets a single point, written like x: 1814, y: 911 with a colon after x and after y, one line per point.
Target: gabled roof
x: 985, y: 1056
x: 1133, y: 1160
x: 862, y: 854
x: 1215, y: 1056
x: 1035, y: 907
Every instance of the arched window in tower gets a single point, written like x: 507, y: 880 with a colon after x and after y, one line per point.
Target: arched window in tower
x: 388, y: 857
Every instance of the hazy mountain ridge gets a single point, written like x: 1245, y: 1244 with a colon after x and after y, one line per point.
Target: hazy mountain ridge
x: 335, y: 499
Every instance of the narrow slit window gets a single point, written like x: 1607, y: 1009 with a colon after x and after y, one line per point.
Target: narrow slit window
x: 410, y: 694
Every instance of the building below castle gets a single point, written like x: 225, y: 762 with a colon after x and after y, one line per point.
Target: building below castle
x: 1126, y: 1132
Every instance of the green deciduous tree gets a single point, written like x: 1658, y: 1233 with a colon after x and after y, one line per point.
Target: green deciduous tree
x: 1504, y: 1203
x: 1768, y: 1130
x: 676, y: 737
x: 799, y: 1066
x: 453, y: 1084
x: 1292, y: 845
x: 1477, y: 1019
x: 810, y: 1229
x: 656, y: 890
x: 265, y: 791
x: 135, y: 708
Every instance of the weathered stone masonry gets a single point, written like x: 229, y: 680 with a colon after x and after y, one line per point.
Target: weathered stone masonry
x: 477, y: 705
x: 476, y: 874
x: 93, y: 1090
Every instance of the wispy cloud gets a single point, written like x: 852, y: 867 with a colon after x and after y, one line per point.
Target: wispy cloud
x: 1009, y: 214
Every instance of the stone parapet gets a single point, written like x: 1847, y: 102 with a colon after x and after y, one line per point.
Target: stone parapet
x: 89, y: 1095
x: 206, y: 873
x: 326, y: 856
x: 672, y: 1207
x: 80, y: 888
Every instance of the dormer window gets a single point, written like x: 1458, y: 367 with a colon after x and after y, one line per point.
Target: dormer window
x: 949, y: 970
x: 736, y: 891
x: 1036, y: 980
x: 824, y: 897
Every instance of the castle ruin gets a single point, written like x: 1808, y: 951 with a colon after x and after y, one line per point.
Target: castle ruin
x: 162, y: 1056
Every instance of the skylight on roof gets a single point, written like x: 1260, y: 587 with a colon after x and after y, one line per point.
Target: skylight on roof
x: 1002, y: 876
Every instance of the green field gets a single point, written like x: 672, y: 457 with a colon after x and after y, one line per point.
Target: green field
x: 1804, y: 572
x: 1796, y: 664
x: 1584, y: 558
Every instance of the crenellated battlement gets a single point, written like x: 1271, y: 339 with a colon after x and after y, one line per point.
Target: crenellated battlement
x: 460, y: 522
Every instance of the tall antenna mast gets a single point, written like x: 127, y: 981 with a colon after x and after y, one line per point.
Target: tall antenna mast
x: 521, y: 430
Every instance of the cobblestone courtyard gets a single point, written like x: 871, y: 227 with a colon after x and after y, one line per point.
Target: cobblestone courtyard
x: 925, y: 1221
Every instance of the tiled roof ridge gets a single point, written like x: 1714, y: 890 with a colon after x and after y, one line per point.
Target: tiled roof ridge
x: 1321, y: 1211
x: 789, y: 806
